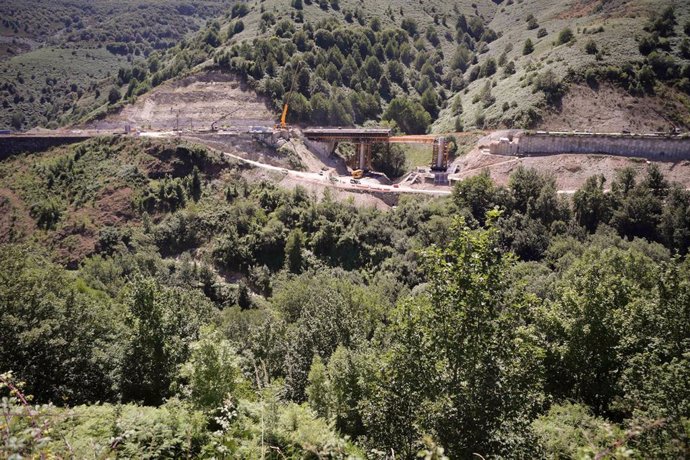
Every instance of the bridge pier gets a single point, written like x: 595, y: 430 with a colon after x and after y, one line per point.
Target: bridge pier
x: 439, y: 158
x: 364, y: 155
x: 362, y: 138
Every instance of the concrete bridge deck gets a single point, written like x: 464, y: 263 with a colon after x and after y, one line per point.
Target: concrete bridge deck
x: 357, y: 135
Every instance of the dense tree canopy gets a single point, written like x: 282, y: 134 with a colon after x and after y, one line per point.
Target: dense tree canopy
x: 504, y: 321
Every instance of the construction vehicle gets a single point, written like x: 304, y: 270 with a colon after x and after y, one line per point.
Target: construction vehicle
x: 214, y: 126
x: 357, y: 174
x: 283, y: 116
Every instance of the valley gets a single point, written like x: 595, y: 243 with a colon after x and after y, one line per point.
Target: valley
x: 338, y: 229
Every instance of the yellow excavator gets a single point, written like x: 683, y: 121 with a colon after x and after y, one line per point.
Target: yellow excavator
x: 283, y: 116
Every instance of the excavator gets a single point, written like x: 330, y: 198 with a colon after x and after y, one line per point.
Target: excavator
x: 214, y: 126
x: 283, y: 124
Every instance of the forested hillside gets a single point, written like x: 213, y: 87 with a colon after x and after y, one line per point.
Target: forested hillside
x: 445, y: 66
x: 165, y: 301
x: 59, y: 59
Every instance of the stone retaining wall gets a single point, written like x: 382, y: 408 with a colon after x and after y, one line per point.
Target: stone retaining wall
x: 652, y: 147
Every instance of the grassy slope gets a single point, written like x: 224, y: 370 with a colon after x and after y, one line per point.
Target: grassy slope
x: 623, y: 22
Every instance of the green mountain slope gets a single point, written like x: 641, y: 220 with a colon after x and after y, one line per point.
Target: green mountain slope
x: 58, y: 59
x: 435, y: 65
x: 468, y: 57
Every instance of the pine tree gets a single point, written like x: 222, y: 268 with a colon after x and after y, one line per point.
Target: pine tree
x: 529, y: 47
x: 293, y: 251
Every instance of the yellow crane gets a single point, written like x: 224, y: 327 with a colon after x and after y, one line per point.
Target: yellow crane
x: 283, y: 124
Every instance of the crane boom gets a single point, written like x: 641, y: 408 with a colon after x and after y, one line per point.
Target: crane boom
x: 283, y: 117
x: 213, y: 125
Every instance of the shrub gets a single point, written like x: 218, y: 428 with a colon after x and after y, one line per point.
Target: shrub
x: 565, y: 36
x: 461, y: 58
x: 239, y: 10
x: 47, y: 213
x: 685, y: 49
x: 432, y: 36
x: 663, y: 24
x: 647, y: 45
x: 431, y: 102
x: 17, y: 120
x: 488, y: 68
x: 409, y: 26
x: 212, y: 372
x: 457, y: 105
x: 459, y: 127
x: 528, y: 48
x: 542, y: 33
x: 549, y: 84
x: 114, y: 95
x: 591, y: 47
x: 664, y: 66
x: 324, y: 38
x: 373, y: 67
x: 566, y: 428
x: 479, y: 120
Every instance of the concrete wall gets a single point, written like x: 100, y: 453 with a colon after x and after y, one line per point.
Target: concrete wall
x: 324, y: 149
x: 661, y: 148
x: 503, y: 147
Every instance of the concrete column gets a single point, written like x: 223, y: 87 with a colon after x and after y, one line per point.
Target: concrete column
x: 362, y: 156
x: 439, y: 154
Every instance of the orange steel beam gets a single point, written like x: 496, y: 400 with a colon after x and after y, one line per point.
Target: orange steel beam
x: 364, y: 137
x: 428, y: 138
x: 411, y: 139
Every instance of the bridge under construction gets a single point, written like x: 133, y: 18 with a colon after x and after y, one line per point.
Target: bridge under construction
x: 363, y: 138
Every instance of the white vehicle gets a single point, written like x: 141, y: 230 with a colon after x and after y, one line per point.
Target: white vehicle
x: 259, y: 130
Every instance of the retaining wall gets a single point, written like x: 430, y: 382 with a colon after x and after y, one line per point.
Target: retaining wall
x: 660, y: 148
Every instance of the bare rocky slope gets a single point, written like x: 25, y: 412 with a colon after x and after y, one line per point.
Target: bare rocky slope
x: 194, y: 102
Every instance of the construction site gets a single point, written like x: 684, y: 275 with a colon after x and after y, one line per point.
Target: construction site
x: 218, y: 111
